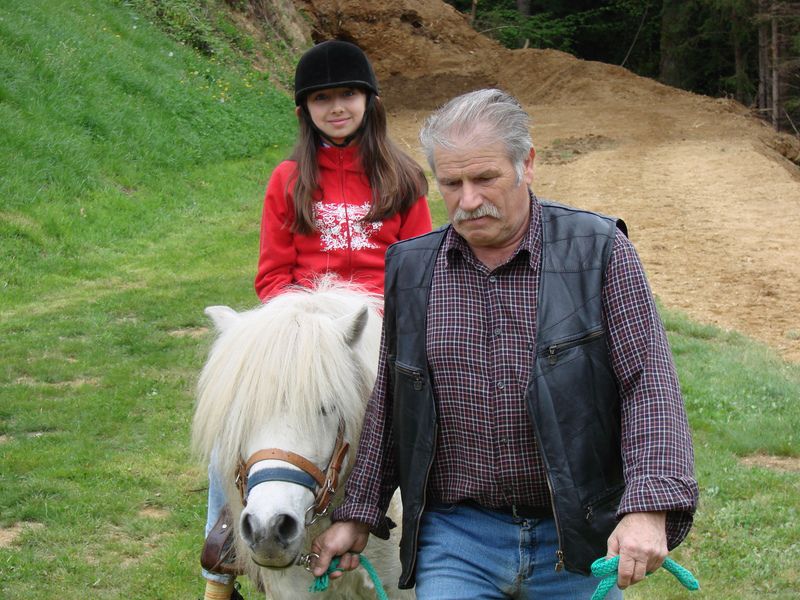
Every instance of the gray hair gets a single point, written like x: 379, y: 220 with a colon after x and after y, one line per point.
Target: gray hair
x: 484, y: 116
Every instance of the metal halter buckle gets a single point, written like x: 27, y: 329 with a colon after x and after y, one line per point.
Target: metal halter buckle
x: 304, y: 560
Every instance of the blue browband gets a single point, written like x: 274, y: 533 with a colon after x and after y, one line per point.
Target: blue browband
x: 282, y: 474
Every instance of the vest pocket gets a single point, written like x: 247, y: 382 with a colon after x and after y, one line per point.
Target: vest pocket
x: 603, y: 502
x: 408, y: 373
x: 555, y: 350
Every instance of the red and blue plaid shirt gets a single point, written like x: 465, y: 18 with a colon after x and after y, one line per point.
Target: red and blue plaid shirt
x: 481, y: 344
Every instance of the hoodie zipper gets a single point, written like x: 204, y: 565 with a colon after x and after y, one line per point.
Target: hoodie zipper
x: 342, y: 189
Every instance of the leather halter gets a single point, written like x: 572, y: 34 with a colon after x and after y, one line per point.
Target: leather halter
x: 322, y: 485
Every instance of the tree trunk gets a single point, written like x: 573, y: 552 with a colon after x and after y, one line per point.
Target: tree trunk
x: 739, y: 62
x: 741, y: 75
x: 672, y: 35
x: 474, y: 12
x: 775, y: 75
x: 764, y: 100
x: 524, y: 7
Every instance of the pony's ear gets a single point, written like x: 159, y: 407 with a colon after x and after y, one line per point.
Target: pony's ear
x: 353, y: 325
x: 222, y: 316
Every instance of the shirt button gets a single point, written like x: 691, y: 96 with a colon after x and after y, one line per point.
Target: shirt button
x: 497, y: 331
x: 501, y: 385
x: 492, y: 278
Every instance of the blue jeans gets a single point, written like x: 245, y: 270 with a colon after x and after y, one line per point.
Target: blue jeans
x: 466, y: 551
x: 216, y: 500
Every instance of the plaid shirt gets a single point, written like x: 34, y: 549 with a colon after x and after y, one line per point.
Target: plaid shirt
x: 481, y: 345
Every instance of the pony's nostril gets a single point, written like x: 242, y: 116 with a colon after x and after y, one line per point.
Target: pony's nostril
x: 286, y: 528
x: 247, y: 529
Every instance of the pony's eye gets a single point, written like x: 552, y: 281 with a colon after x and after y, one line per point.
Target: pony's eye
x: 327, y: 409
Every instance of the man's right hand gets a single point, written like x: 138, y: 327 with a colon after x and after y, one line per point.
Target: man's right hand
x: 345, y: 539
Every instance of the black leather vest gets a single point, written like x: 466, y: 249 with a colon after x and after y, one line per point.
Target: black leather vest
x: 572, y: 395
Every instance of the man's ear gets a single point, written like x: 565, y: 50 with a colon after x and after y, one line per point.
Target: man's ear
x: 528, y: 164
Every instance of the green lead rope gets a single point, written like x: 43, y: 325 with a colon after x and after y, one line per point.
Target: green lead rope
x: 607, y: 569
x: 322, y: 582
x: 602, y: 567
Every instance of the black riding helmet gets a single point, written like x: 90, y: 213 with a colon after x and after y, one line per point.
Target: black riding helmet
x: 334, y: 63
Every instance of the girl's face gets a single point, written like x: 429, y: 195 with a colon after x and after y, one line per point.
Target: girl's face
x: 337, y: 112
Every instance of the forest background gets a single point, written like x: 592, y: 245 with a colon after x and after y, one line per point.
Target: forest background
x: 748, y: 50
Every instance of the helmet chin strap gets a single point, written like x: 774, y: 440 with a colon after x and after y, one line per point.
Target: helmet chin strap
x: 349, y: 138
x: 344, y: 143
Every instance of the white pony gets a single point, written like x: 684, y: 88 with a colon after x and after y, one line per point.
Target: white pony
x: 282, y: 382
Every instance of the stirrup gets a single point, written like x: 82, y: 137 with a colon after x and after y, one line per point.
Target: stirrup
x: 219, y: 551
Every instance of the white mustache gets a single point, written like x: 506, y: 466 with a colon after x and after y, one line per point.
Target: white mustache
x: 484, y: 210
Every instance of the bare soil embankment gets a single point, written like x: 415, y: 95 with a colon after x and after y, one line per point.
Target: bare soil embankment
x: 711, y: 199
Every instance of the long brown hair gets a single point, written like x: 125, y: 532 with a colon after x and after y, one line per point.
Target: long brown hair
x: 395, y: 179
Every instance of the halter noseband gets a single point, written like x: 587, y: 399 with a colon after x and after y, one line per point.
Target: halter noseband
x: 322, y: 485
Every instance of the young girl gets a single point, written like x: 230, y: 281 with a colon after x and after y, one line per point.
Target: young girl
x: 346, y: 193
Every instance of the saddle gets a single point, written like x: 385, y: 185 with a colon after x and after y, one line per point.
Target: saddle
x: 219, y: 551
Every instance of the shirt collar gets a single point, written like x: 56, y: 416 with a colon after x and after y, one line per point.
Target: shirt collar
x: 530, y: 243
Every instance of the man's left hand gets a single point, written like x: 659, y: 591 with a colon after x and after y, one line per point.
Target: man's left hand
x: 640, y: 541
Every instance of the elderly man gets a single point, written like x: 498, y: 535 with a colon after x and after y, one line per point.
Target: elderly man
x: 526, y: 404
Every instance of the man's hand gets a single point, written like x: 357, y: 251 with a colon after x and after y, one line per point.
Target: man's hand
x: 345, y: 539
x: 640, y: 540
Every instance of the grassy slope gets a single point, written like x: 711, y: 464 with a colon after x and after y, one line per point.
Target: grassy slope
x: 131, y: 174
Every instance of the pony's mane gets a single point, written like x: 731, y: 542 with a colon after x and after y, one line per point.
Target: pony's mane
x: 287, y: 357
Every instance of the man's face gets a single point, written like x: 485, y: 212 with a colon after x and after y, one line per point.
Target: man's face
x: 484, y: 201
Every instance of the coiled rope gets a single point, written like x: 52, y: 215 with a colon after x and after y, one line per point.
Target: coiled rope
x: 607, y: 569
x: 322, y: 582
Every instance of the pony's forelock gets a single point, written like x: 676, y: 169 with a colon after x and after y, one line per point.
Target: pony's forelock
x: 287, y: 357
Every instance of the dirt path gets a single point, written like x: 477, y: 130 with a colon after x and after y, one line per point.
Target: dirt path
x: 712, y: 213
x: 712, y: 208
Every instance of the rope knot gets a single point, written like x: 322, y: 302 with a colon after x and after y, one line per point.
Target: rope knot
x: 322, y: 582
x: 606, y: 569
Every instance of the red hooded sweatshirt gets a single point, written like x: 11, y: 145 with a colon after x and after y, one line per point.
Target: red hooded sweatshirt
x: 343, y: 244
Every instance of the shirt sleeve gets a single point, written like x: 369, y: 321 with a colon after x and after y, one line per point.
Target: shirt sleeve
x: 277, y: 252
x: 657, y: 448
x: 416, y: 220
x: 373, y: 480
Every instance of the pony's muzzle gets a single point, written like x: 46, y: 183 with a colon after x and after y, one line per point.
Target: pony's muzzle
x: 273, y: 538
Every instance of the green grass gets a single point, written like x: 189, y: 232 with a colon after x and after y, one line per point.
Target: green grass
x: 99, y: 114
x: 741, y: 400
x: 131, y: 174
